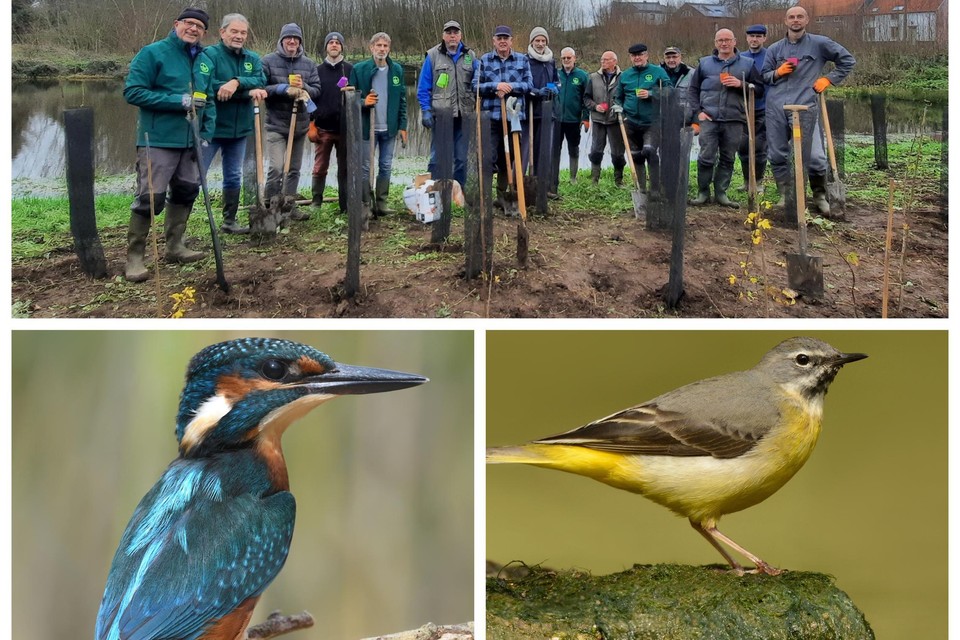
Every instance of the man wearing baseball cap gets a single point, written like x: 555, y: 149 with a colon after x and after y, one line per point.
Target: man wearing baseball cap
x: 503, y: 74
x: 168, y: 80
x: 756, y: 37
x: 679, y: 74
x: 446, y: 83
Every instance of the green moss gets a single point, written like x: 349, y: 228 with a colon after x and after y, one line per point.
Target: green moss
x: 666, y: 602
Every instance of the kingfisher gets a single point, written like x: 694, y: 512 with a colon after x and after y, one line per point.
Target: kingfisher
x: 214, y: 531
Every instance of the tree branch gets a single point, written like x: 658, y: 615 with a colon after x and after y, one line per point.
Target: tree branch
x: 432, y: 631
x: 277, y: 624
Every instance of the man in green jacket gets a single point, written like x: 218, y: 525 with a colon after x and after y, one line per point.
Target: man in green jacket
x: 636, y: 98
x: 168, y: 81
x: 380, y: 83
x: 571, y: 114
x: 238, y: 81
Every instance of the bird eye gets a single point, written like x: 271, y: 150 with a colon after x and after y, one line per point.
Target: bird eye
x: 274, y: 369
x: 803, y: 359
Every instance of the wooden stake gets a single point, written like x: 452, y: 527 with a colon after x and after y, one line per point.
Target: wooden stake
x: 886, y: 252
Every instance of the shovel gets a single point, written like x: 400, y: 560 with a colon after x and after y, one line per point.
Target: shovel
x: 804, y: 272
x: 289, y: 155
x: 217, y: 254
x: 259, y: 153
x: 749, y: 106
x: 523, y: 236
x: 639, y: 197
x: 836, y: 190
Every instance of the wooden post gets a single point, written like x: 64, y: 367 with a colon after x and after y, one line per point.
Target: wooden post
x: 878, y: 106
x: 478, y: 226
x: 78, y: 125
x: 353, y: 135
x: 944, y: 171
x: 443, y: 143
x: 544, y: 156
x: 674, y: 163
x: 674, y: 289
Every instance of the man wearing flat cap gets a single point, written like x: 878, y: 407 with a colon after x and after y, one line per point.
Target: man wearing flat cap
x: 503, y: 74
x: 636, y: 98
x: 756, y: 38
x: 333, y: 74
x: 167, y: 81
x: 679, y: 74
x: 446, y: 83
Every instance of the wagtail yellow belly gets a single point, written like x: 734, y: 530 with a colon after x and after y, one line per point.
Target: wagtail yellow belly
x: 708, y: 448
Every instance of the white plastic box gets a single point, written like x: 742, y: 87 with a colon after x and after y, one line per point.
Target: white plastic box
x: 422, y: 200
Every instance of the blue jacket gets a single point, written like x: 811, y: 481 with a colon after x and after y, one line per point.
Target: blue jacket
x: 757, y: 58
x: 543, y: 73
x: 493, y: 70
x: 707, y: 94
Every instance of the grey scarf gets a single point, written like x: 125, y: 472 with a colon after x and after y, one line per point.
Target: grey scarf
x: 546, y: 56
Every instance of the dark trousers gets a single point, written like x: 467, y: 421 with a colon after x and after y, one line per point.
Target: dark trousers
x: 569, y: 131
x: 602, y: 135
x: 719, y: 142
x: 643, y: 147
x: 499, y: 161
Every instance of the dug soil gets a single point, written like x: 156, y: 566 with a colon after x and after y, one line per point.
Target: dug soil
x: 581, y: 265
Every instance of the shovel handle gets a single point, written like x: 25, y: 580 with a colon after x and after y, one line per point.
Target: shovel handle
x: 258, y: 140
x: 506, y: 138
x: 831, y: 151
x: 626, y: 145
x: 798, y: 170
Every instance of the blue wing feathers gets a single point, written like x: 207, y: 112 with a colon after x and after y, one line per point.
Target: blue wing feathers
x: 195, y: 549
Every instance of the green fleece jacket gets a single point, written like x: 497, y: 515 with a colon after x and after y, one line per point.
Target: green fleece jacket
x: 160, y: 75
x: 641, y: 111
x: 235, y: 116
x: 361, y: 77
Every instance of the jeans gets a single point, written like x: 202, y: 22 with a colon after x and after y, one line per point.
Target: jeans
x: 386, y: 144
x: 232, y: 151
x: 459, y: 154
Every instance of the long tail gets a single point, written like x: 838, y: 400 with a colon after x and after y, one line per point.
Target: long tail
x: 523, y: 454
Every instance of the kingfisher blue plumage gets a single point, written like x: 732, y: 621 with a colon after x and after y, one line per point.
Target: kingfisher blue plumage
x: 214, y: 531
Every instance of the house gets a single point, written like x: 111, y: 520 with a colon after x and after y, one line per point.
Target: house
x: 652, y: 13
x: 905, y: 21
x: 710, y: 17
x: 837, y: 19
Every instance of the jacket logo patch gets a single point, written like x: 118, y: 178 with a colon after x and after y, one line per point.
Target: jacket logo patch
x: 204, y: 67
x: 248, y: 66
x: 396, y: 81
x: 467, y: 59
x: 575, y: 81
x: 648, y: 77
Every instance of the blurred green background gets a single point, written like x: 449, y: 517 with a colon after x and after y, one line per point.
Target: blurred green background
x: 869, y: 507
x: 384, y: 482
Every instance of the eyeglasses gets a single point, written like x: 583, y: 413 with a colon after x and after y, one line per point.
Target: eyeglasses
x: 566, y: 57
x: 193, y: 25
x: 723, y: 40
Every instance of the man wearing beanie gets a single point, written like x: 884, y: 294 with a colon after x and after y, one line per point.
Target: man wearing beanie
x: 637, y: 98
x: 162, y: 82
x: 291, y: 78
x: 237, y: 81
x: 543, y: 68
x: 333, y: 73
x: 445, y: 83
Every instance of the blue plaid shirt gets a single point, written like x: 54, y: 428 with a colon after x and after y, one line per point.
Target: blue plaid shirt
x: 494, y: 70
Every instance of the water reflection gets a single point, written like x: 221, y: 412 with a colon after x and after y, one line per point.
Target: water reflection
x: 38, y: 138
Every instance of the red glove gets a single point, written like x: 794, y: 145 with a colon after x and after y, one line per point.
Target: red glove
x: 370, y: 100
x: 586, y: 125
x: 696, y: 128
x: 785, y: 69
x: 821, y: 84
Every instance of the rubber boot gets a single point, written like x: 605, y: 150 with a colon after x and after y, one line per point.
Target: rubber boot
x: 642, y: 177
x: 721, y: 183
x: 231, y: 202
x: 704, y: 178
x: 574, y: 162
x: 595, y: 173
x: 319, y: 184
x: 618, y: 176
x: 174, y: 226
x: 787, y: 209
x: 382, y: 191
x: 818, y: 184
x: 135, y: 270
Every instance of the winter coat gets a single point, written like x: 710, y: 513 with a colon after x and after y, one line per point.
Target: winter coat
x: 327, y: 115
x: 277, y: 67
x: 640, y: 111
x: 569, y: 104
x: 361, y: 77
x: 721, y: 103
x: 600, y: 90
x: 458, y: 91
x: 235, y: 116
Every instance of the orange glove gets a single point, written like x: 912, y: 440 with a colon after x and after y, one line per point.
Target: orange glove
x: 370, y: 100
x: 821, y: 84
x: 785, y: 69
x: 696, y: 128
x: 586, y: 125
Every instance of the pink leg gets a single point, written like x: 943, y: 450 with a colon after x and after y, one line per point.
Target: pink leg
x: 714, y: 537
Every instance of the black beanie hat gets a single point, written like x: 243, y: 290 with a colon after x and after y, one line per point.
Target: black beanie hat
x: 197, y: 14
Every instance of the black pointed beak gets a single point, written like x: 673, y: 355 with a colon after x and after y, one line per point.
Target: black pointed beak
x: 844, y: 358
x: 350, y: 380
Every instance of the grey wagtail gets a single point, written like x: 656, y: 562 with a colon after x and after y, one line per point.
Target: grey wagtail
x: 709, y: 448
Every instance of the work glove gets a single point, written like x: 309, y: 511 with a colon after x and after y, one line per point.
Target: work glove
x: 551, y: 90
x: 294, y: 92
x: 586, y: 125
x: 821, y: 84
x: 426, y: 118
x: 616, y: 108
x: 785, y: 69
x: 696, y: 128
x: 370, y: 100
x: 191, y: 102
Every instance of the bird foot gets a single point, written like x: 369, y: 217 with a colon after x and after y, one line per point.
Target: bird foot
x: 764, y: 568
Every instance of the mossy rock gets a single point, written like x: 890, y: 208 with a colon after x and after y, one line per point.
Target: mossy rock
x: 671, y: 602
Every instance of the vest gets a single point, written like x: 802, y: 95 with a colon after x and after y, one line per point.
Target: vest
x: 458, y: 93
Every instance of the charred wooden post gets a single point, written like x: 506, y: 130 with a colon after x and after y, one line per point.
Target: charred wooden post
x: 671, y: 195
x: 544, y: 156
x: 478, y: 225
x: 944, y: 171
x: 878, y: 107
x: 443, y: 143
x: 78, y: 125
x: 674, y: 289
x: 353, y: 135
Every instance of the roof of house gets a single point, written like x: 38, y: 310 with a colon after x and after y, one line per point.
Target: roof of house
x: 901, y: 6
x: 644, y: 7
x: 711, y: 10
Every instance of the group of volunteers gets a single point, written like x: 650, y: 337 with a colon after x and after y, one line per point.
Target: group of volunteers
x: 183, y: 88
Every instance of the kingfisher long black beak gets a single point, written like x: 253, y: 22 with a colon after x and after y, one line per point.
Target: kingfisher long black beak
x: 350, y: 380
x: 844, y: 358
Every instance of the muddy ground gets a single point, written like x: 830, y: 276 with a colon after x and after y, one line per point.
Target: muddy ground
x: 582, y: 265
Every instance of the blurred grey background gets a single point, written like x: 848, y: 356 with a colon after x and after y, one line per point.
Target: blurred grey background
x: 384, y: 482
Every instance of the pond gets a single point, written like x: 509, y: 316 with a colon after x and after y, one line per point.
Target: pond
x: 38, y: 138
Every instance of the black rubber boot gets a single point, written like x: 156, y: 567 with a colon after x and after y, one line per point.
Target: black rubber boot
x: 574, y: 162
x: 818, y: 184
x: 786, y: 211
x: 135, y: 270
x: 319, y: 184
x: 231, y: 203
x: 618, y: 176
x: 704, y: 178
x: 595, y: 173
